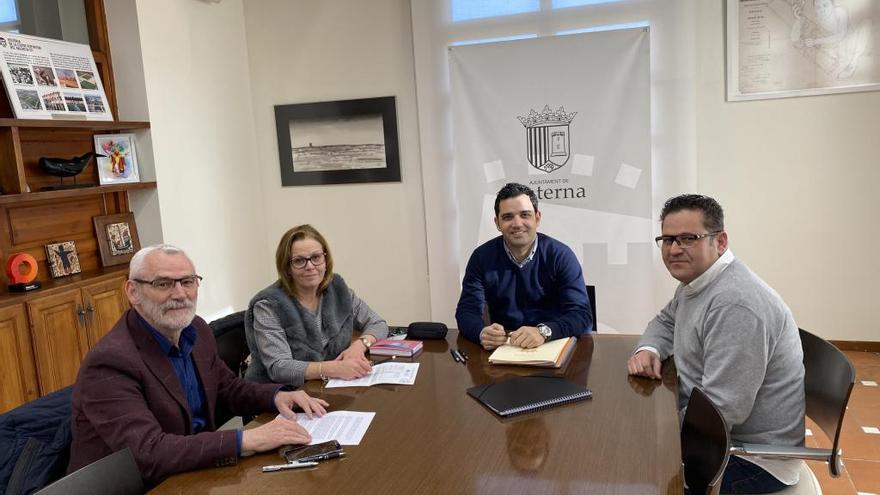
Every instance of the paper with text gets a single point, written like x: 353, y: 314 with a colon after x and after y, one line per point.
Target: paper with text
x: 346, y: 427
x: 385, y: 373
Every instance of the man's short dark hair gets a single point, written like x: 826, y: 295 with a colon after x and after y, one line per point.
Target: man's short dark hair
x: 512, y: 190
x: 713, y: 215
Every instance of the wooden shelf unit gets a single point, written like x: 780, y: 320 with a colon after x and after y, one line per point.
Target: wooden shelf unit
x: 25, y: 141
x: 44, y: 334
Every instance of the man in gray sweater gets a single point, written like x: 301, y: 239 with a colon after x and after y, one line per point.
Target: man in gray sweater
x: 732, y: 336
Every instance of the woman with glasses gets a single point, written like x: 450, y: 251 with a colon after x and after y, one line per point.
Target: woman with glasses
x: 300, y: 327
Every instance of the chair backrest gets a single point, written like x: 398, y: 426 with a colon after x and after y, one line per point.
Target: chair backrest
x: 35, y: 443
x: 116, y: 474
x: 705, y: 445
x: 828, y: 380
x: 231, y: 342
x: 591, y: 295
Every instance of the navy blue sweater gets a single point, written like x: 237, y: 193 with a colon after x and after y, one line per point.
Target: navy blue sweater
x: 549, y: 289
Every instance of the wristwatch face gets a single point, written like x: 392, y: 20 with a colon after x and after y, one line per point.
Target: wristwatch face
x: 545, y: 331
x: 366, y: 342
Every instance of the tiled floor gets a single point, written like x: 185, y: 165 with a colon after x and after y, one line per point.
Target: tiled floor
x: 861, y: 449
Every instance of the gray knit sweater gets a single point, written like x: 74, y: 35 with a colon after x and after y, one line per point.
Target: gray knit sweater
x: 284, y: 337
x: 736, y: 339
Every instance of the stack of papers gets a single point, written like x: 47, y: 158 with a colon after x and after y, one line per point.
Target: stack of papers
x: 552, y: 354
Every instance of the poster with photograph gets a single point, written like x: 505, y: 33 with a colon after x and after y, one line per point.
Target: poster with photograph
x: 119, y: 164
x: 51, y: 79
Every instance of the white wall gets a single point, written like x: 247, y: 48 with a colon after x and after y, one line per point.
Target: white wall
x: 321, y: 50
x: 794, y: 175
x: 197, y: 90
x: 797, y: 178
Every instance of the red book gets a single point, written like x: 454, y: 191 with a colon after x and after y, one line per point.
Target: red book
x: 391, y: 347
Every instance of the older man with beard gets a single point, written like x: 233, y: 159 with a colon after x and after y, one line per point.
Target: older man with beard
x: 154, y: 382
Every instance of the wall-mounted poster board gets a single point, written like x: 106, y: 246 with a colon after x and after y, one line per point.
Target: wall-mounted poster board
x: 782, y: 48
x: 51, y: 79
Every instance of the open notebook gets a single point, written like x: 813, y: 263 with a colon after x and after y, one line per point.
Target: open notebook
x: 552, y: 354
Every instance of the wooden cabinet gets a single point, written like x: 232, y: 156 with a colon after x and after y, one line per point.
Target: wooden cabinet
x: 104, y: 304
x: 16, y: 359
x: 65, y: 325
x: 45, y: 334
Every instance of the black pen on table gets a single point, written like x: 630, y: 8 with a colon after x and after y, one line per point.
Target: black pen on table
x: 460, y: 357
x: 455, y: 356
x: 463, y: 354
x: 329, y: 455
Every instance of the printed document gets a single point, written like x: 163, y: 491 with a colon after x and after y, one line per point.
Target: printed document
x: 386, y: 373
x: 346, y: 427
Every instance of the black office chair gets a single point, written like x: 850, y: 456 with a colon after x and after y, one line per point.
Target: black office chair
x: 705, y: 445
x: 591, y: 295
x: 233, y: 350
x: 231, y: 343
x: 116, y: 474
x: 828, y: 380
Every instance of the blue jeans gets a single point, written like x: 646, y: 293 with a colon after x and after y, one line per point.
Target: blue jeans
x: 742, y: 476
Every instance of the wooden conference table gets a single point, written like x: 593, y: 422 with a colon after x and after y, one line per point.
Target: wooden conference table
x: 432, y: 437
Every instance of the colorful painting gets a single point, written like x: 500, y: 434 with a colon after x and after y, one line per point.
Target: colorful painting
x: 119, y: 163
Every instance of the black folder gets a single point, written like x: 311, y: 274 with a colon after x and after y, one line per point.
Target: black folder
x: 525, y: 394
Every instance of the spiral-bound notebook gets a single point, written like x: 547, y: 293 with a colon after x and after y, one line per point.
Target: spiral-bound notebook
x: 525, y: 394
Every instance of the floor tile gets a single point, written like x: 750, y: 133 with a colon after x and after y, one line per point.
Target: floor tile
x: 842, y: 485
x: 865, y: 475
x: 861, y: 451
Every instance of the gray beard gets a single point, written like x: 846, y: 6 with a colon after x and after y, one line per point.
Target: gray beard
x: 157, y: 314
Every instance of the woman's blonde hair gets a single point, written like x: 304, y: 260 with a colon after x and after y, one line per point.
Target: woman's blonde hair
x: 282, y: 257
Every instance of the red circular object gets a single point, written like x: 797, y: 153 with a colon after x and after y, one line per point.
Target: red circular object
x: 14, y: 271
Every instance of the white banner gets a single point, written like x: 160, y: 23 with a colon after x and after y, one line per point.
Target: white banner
x: 569, y: 116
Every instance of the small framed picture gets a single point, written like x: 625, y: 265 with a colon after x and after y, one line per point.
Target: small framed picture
x: 119, y: 164
x: 117, y: 238
x: 62, y: 259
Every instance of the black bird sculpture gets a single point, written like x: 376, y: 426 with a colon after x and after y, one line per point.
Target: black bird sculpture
x: 67, y: 167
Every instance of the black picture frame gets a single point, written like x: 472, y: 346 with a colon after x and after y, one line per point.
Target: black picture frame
x: 333, y: 163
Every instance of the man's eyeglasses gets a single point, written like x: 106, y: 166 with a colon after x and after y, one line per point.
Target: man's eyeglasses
x: 166, y: 284
x: 316, y: 259
x: 683, y: 240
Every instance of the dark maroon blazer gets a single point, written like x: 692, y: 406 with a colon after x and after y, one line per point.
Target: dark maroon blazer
x: 128, y: 395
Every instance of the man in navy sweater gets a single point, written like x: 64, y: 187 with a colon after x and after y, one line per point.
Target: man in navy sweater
x: 531, y: 284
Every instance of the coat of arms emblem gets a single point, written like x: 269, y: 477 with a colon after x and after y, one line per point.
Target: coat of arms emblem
x: 547, y: 138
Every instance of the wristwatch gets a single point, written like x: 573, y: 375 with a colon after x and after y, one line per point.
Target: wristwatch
x: 545, y: 331
x: 366, y: 342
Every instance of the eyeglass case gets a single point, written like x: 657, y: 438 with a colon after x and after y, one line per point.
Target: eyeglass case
x: 426, y: 330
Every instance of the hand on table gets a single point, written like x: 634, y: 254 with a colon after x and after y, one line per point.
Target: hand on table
x: 526, y: 337
x: 280, y: 431
x: 312, y: 406
x: 492, y: 336
x: 644, y: 363
x: 348, y: 369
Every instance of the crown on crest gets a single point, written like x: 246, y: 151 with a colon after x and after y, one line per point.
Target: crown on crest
x: 546, y: 117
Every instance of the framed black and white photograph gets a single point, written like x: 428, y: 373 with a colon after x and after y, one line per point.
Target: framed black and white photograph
x: 338, y: 142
